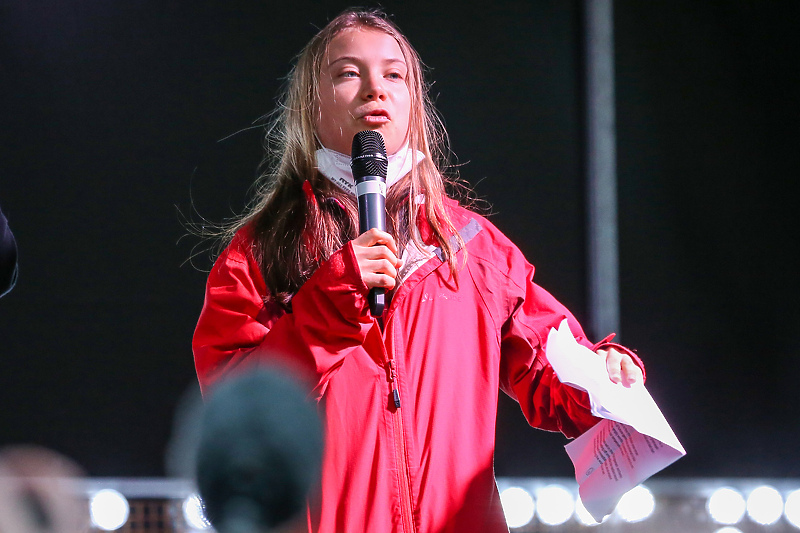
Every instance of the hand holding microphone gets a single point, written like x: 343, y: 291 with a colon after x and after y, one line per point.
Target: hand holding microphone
x: 376, y: 251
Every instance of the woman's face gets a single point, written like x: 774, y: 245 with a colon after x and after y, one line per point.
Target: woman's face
x: 363, y: 87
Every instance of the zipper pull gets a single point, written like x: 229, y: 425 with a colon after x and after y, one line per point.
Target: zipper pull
x: 392, y: 377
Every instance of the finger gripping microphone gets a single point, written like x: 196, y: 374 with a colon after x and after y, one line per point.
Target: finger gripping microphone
x: 369, y: 164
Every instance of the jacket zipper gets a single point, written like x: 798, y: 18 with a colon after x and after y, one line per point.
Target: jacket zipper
x: 400, y: 451
x: 392, y: 381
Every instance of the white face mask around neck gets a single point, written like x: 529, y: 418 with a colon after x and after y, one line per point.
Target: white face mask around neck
x: 336, y: 167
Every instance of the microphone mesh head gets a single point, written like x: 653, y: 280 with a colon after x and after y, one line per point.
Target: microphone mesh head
x: 368, y: 155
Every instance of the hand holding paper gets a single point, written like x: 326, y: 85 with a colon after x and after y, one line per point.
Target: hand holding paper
x: 632, y: 444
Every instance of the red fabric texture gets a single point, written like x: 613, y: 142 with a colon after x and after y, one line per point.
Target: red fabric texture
x: 427, y: 466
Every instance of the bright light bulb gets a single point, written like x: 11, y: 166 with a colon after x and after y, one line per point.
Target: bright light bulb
x: 518, y: 506
x: 583, y: 515
x: 109, y: 510
x: 728, y: 529
x: 636, y: 505
x: 765, y: 505
x: 726, y: 506
x: 792, y: 508
x: 194, y: 512
x: 555, y: 505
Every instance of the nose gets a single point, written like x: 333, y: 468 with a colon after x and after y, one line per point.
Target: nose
x: 373, y: 88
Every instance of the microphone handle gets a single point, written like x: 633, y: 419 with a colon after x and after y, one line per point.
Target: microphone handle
x: 371, y: 191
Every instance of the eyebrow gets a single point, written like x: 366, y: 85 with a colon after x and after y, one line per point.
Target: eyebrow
x: 354, y: 59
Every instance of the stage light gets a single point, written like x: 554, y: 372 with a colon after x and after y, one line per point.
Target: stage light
x: 555, y: 505
x: 518, y: 506
x: 109, y: 509
x: 765, y: 505
x: 726, y: 506
x: 583, y: 515
x: 194, y: 513
x: 792, y: 508
x: 636, y: 505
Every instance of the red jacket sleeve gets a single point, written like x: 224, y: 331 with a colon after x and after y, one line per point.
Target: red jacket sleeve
x: 238, y: 324
x: 526, y: 375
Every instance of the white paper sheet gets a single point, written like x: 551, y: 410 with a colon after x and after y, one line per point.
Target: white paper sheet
x: 630, y: 445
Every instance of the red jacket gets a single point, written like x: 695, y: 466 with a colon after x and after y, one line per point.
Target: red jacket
x: 428, y: 465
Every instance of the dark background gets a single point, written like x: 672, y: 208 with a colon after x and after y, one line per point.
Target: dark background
x: 112, y: 120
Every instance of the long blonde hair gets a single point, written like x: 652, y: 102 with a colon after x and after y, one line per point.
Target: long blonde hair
x: 295, y: 224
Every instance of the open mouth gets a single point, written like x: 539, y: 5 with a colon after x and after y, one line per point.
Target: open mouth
x: 378, y: 115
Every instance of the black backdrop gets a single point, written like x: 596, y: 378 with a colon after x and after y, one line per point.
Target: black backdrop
x: 112, y: 120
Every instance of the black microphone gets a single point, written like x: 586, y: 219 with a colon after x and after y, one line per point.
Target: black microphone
x: 259, y: 452
x: 369, y: 164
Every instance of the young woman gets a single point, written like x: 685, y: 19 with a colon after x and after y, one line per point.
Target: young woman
x: 408, y: 399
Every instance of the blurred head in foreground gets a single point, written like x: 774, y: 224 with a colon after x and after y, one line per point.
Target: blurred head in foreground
x: 257, y: 453
x: 37, y: 492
